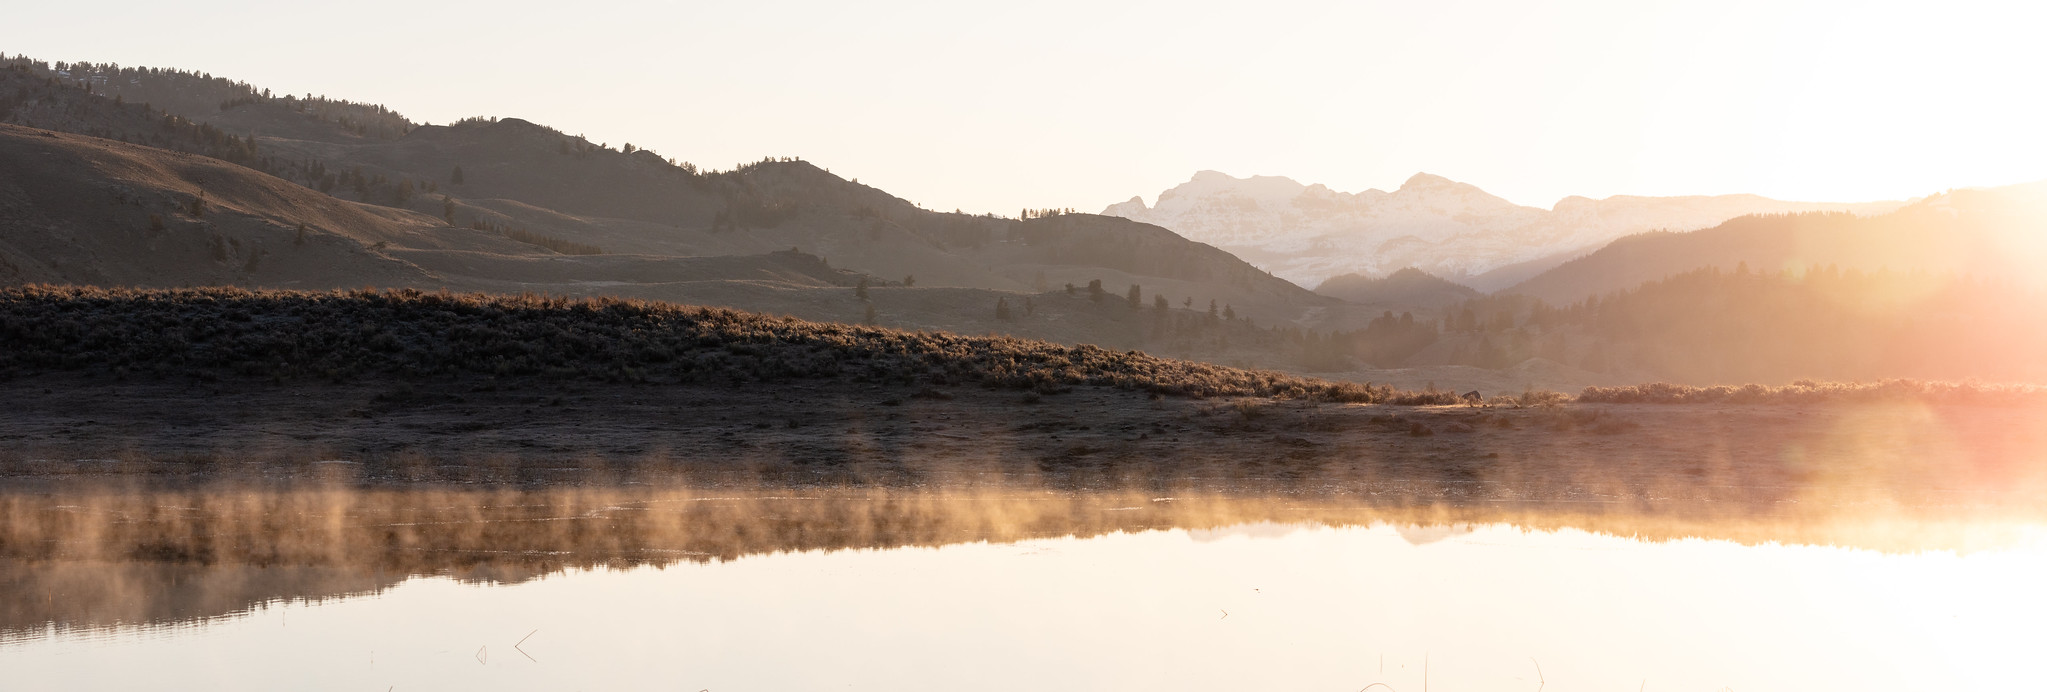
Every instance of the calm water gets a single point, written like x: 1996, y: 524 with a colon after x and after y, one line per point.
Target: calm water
x: 1134, y: 605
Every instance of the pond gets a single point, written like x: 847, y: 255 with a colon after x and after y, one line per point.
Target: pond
x: 1023, y: 591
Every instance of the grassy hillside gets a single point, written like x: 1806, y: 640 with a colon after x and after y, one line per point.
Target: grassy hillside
x: 84, y: 210
x: 566, y: 193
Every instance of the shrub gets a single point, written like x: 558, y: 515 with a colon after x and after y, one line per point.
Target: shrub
x: 296, y: 335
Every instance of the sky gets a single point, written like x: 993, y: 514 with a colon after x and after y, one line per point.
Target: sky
x: 990, y: 107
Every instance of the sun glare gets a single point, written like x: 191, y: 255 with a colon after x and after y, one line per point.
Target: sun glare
x: 1067, y: 345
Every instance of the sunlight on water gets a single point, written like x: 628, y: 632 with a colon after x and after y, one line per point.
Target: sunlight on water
x: 1245, y: 607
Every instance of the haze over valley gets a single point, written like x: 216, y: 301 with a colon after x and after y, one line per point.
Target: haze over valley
x: 1605, y: 345
x: 153, y: 177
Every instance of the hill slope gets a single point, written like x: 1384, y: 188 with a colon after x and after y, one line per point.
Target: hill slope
x: 1987, y: 233
x: 516, y: 178
x: 1406, y: 289
x: 83, y: 210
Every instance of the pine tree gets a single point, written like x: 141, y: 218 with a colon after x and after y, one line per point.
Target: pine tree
x: 910, y: 280
x: 1228, y: 313
x: 1002, y: 309
x: 1135, y: 296
x: 1094, y: 290
x: 1160, y: 303
x: 861, y: 290
x: 455, y: 178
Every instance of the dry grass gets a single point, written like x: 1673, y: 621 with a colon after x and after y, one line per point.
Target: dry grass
x: 552, y: 243
x: 210, y: 333
x: 1810, y: 392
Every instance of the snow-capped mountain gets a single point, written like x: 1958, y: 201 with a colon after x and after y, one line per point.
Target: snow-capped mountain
x: 1307, y: 233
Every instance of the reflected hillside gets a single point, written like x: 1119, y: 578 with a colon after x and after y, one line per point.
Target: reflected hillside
x: 95, y: 557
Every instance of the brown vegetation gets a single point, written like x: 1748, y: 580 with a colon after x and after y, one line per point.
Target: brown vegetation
x: 341, y: 335
x: 1810, y: 392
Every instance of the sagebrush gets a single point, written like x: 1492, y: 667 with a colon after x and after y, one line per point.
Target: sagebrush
x: 296, y: 335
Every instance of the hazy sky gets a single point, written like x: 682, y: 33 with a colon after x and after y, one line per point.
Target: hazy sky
x: 993, y: 107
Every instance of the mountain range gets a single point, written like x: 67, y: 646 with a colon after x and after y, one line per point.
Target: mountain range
x: 229, y: 184
x: 121, y: 176
x: 1309, y: 233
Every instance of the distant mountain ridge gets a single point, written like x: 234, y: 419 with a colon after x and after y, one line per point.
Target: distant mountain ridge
x: 189, y: 180
x: 153, y: 177
x: 1308, y: 233
x: 1408, y: 287
x: 1990, y: 234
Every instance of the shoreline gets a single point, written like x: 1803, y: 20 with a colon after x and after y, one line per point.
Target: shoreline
x: 541, y: 433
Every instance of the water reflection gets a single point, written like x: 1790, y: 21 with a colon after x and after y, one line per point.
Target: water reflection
x: 1294, y: 606
x: 87, y: 559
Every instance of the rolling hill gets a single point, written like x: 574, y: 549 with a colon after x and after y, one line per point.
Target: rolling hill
x: 159, y: 178
x: 1986, y: 233
x: 509, y: 205
x: 1408, y: 288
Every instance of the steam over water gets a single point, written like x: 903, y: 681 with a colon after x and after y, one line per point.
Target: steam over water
x: 693, y: 590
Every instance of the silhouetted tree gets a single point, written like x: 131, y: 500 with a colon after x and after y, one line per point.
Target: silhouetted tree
x: 1094, y: 290
x: 910, y: 280
x: 455, y: 178
x: 1161, y: 303
x: 1135, y: 296
x: 861, y: 290
x: 1002, y: 309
